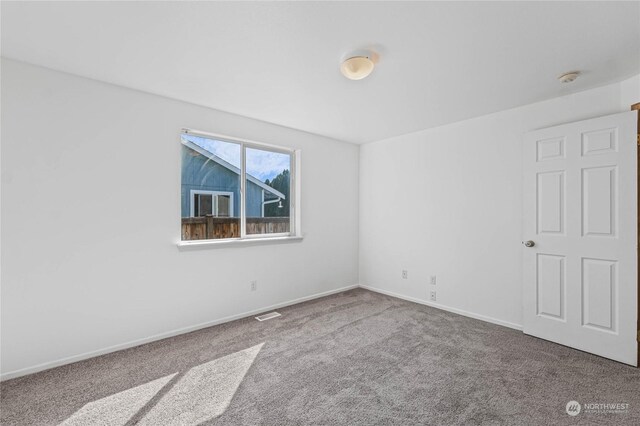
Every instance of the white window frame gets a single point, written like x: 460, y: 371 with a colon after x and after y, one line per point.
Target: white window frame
x: 295, y: 229
x: 214, y: 201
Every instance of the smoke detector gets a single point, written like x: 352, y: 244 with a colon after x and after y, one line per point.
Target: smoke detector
x: 568, y: 77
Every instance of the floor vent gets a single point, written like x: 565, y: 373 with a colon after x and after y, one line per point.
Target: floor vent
x: 268, y: 316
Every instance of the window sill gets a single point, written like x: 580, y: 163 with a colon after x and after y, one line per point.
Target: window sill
x: 206, y: 244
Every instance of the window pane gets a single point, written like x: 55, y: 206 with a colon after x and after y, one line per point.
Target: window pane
x: 203, y: 205
x: 210, y: 188
x: 223, y: 205
x: 268, y: 191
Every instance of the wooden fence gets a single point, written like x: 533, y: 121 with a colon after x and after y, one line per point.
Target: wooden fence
x: 209, y: 227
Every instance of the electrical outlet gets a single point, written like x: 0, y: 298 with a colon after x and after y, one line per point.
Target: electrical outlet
x: 254, y: 285
x: 432, y: 280
x: 432, y: 296
x: 405, y: 274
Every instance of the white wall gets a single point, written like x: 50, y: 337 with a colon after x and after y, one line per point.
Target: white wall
x: 84, y: 271
x: 91, y: 217
x: 447, y: 202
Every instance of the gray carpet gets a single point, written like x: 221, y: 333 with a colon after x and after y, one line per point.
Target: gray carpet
x: 355, y: 358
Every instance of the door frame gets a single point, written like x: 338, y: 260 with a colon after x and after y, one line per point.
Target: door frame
x: 636, y: 107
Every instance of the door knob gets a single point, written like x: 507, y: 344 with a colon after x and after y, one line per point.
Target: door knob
x: 528, y: 243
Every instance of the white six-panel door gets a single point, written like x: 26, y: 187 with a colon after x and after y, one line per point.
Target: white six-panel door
x: 580, y: 211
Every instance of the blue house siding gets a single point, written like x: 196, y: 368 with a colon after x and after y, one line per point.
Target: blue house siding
x: 201, y: 173
x: 254, y: 200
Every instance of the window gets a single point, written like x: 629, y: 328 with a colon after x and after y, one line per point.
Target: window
x: 211, y: 203
x: 235, y: 189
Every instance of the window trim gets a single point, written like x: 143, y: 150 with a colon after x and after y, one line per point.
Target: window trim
x: 213, y: 204
x: 237, y: 242
x: 295, y: 231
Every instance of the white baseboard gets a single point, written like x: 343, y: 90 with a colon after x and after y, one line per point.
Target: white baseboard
x: 138, y: 342
x: 446, y: 308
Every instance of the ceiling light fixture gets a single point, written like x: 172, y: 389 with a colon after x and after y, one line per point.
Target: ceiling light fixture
x: 568, y: 77
x: 357, y: 67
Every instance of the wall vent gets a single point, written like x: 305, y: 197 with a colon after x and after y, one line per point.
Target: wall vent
x: 268, y: 316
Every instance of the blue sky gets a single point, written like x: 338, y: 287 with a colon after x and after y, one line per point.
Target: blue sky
x: 260, y: 164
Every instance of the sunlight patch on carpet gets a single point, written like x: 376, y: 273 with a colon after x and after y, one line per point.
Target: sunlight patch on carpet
x: 118, y: 408
x: 204, y: 392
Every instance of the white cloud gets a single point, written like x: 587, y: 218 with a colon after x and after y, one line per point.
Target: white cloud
x: 266, y: 164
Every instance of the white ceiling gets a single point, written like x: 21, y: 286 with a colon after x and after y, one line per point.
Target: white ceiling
x: 279, y: 61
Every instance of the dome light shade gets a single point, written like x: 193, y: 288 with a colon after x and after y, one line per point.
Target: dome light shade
x: 357, y: 67
x: 569, y: 77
